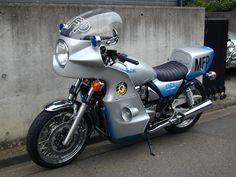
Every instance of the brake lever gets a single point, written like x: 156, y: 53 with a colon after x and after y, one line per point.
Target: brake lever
x: 112, y: 40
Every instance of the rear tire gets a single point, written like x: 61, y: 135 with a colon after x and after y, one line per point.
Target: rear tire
x: 176, y: 128
x: 45, y: 136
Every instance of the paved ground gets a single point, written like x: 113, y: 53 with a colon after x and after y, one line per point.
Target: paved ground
x: 209, y: 149
x: 230, y: 82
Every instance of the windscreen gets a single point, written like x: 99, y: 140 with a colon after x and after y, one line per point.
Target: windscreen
x: 96, y: 22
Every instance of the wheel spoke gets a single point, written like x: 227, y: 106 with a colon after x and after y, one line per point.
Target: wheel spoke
x: 53, y: 134
x: 43, y: 142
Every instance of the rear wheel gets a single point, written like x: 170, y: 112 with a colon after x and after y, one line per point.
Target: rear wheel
x: 185, y: 125
x: 48, y: 131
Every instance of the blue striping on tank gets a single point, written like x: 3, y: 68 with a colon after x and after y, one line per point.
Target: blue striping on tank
x: 211, y: 53
x: 130, y: 71
x: 169, y: 89
x: 168, y: 93
x: 193, y: 75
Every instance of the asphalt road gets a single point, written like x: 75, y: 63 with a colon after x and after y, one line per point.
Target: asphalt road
x: 209, y: 149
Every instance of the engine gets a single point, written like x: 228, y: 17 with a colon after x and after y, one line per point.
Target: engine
x: 143, y: 92
x: 147, y: 94
x: 148, y: 97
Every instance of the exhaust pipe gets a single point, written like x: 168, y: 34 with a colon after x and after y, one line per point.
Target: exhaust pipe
x: 166, y: 124
x: 198, y: 109
x: 206, y: 105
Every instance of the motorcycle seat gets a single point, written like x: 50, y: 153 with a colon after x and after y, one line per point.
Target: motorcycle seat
x: 171, y: 71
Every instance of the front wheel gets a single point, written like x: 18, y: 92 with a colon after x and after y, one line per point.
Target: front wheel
x: 48, y: 131
x: 198, y: 90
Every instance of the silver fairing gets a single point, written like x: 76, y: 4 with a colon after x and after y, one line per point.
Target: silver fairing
x: 139, y: 74
x: 86, y: 62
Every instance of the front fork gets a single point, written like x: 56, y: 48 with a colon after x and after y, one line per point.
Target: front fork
x: 78, y: 114
x: 74, y: 90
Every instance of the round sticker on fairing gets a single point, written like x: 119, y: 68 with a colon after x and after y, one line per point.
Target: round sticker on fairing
x: 121, y: 89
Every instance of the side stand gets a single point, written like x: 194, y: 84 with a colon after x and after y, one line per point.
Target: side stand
x: 149, y: 143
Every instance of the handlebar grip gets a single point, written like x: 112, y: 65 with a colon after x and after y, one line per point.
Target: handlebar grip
x: 106, y: 37
x: 123, y: 57
x: 132, y: 61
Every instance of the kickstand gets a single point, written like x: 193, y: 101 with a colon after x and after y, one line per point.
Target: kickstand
x: 149, y: 143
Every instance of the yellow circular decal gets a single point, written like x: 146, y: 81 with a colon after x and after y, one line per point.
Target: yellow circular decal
x: 121, y: 89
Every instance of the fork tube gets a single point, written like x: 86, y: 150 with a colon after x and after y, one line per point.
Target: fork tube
x: 77, y: 84
x: 75, y: 90
x: 78, y: 117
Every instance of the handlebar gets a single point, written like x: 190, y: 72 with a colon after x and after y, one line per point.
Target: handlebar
x: 123, y: 57
x: 106, y: 37
x: 113, y: 55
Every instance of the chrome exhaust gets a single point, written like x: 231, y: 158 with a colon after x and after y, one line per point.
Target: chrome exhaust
x: 206, y: 105
x: 166, y: 124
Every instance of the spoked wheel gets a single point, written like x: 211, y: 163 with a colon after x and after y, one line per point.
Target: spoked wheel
x: 46, y: 134
x: 198, y: 90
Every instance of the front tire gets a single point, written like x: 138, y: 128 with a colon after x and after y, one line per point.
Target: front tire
x: 46, y: 134
x: 187, y: 124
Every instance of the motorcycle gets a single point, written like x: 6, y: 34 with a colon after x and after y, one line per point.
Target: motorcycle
x: 121, y: 98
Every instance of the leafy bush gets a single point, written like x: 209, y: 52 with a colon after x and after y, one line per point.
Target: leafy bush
x: 213, y: 5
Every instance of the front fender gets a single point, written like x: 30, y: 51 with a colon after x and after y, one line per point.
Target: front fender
x: 59, y: 104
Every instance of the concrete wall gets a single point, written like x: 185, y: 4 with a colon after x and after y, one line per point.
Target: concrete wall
x: 103, y: 2
x: 231, y: 16
x: 28, y: 35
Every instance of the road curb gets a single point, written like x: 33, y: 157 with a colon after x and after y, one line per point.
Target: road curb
x: 25, y: 157
x: 14, y: 160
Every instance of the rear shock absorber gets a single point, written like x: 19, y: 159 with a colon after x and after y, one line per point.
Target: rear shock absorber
x: 189, y: 95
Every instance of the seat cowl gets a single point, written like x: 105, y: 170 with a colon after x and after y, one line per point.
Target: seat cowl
x: 171, y: 71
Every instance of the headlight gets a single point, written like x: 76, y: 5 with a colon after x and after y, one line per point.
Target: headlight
x: 230, y: 46
x: 62, y: 53
x: 231, y: 51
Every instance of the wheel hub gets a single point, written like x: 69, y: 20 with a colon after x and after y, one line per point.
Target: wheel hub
x: 58, y: 136
x: 50, y: 140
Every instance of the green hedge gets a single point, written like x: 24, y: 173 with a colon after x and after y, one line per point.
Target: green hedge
x: 213, y: 5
